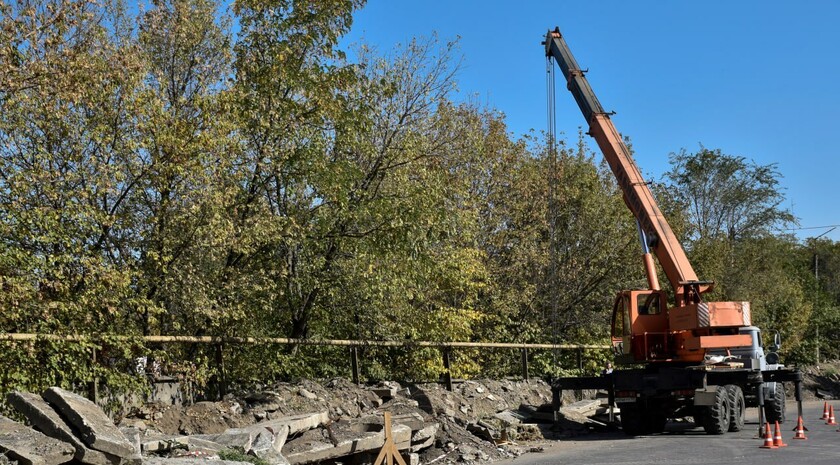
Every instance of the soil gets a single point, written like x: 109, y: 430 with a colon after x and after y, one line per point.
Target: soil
x: 819, y: 380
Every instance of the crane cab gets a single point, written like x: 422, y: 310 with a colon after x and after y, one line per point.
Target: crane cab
x: 644, y: 329
x: 639, y: 329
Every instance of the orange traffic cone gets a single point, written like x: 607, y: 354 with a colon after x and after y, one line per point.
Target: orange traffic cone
x: 830, y: 420
x: 825, y: 411
x: 768, y: 440
x: 777, y: 437
x: 800, y: 429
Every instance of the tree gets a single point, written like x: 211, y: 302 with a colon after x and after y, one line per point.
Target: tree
x: 65, y: 127
x: 183, y: 151
x: 68, y: 98
x: 733, y: 208
x: 727, y: 195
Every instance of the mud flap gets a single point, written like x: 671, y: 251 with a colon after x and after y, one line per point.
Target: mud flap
x: 705, y: 396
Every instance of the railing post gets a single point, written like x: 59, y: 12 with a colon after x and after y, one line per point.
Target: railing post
x: 93, y: 388
x: 580, y: 359
x: 220, y: 366
x: 525, y: 363
x: 447, y: 375
x: 354, y: 363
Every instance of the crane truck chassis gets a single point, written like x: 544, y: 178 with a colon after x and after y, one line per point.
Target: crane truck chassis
x: 694, y: 359
x: 716, y: 397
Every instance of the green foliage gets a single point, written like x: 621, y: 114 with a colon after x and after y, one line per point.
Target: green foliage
x: 159, y: 175
x: 727, y: 195
x: 733, y: 207
x: 235, y: 455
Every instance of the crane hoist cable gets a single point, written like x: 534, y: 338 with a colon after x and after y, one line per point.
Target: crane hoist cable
x: 551, y: 148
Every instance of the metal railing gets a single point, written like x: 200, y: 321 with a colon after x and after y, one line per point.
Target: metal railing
x: 219, y: 342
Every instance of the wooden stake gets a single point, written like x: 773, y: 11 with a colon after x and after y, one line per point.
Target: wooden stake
x: 389, y: 450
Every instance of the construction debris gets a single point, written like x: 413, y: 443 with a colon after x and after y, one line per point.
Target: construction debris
x: 342, y: 439
x: 94, y: 428
x: 286, y: 424
x: 29, y: 447
x: 43, y: 417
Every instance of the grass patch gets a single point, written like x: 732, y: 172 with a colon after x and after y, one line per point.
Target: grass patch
x: 235, y: 455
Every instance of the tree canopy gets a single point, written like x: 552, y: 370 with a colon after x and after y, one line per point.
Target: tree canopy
x: 160, y: 175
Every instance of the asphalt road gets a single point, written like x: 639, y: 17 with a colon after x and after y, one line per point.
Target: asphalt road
x: 681, y: 444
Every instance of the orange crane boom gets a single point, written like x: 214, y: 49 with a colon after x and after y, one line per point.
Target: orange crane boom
x: 644, y: 328
x: 637, y: 195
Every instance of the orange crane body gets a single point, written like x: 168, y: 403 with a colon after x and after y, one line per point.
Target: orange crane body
x: 644, y: 327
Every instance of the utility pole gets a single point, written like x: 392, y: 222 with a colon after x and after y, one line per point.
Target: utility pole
x: 817, y: 256
x: 817, y: 279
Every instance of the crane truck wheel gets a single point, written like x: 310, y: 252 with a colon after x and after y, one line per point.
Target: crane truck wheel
x: 775, y: 408
x: 631, y: 420
x: 737, y: 407
x: 716, y: 416
x: 655, y: 420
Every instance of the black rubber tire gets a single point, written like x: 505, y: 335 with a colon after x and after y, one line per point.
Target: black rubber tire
x: 737, y: 407
x: 632, y: 422
x: 716, y: 417
x: 775, y: 408
x: 655, y: 421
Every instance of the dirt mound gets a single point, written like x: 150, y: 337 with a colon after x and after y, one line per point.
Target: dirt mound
x: 821, y: 381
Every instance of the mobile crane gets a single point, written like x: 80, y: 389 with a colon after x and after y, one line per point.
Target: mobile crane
x: 672, y: 343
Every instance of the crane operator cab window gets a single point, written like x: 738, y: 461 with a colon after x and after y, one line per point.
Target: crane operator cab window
x: 648, y: 304
x: 621, y: 325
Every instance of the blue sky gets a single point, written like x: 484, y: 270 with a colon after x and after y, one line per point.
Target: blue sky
x: 759, y: 79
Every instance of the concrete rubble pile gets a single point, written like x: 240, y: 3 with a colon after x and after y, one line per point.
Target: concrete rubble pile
x: 286, y: 424
x: 65, y: 426
x: 478, y: 422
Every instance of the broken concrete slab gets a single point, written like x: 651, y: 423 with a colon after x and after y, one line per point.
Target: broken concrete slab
x: 424, y: 437
x: 275, y: 458
x: 133, y: 435
x: 152, y: 460
x: 265, y: 450
x: 536, y: 414
x: 43, y: 417
x: 295, y: 423
x: 385, y: 392
x: 240, y: 439
x: 165, y: 444
x: 822, y: 394
x: 203, y: 445
x: 350, y: 438
x: 262, y: 442
x: 418, y: 445
x: 267, y: 441
x: 424, y: 433
x: 509, y: 417
x: 91, y: 424
x: 29, y: 447
x: 482, y: 431
x: 582, y: 407
x: 412, y: 419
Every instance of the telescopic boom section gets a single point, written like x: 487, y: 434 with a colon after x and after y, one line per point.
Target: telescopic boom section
x: 638, y: 197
